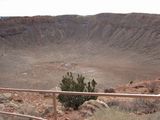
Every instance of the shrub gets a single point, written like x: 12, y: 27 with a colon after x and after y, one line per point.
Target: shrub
x: 109, y: 90
x: 70, y: 83
x: 152, y: 87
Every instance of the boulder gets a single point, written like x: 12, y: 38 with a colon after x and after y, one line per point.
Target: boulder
x: 2, y: 106
x: 89, y: 107
x: 8, y: 95
x: 3, y: 98
x: 27, y: 109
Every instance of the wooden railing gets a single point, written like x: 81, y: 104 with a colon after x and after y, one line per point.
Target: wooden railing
x: 21, y: 115
x: 54, y: 93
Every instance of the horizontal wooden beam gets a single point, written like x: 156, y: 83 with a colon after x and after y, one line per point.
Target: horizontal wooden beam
x: 21, y: 115
x: 85, y: 93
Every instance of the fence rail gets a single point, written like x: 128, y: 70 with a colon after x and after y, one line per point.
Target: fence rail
x: 75, y: 93
x: 21, y: 115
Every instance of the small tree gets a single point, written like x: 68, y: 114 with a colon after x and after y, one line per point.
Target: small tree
x: 70, y: 83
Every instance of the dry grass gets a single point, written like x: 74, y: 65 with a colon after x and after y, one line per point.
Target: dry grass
x: 137, y: 106
x: 112, y: 114
x: 115, y: 114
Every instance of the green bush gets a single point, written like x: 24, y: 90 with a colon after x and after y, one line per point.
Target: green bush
x: 70, y: 83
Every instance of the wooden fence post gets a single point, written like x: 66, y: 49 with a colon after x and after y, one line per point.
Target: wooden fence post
x: 55, y: 106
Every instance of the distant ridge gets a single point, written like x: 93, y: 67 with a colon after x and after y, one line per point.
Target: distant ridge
x: 134, y: 32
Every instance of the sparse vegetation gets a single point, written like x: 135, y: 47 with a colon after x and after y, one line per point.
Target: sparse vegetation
x: 70, y: 83
x: 145, y: 106
x: 109, y: 90
x: 152, y: 88
x: 137, y: 106
x: 115, y: 114
x: 112, y: 114
x: 130, y: 82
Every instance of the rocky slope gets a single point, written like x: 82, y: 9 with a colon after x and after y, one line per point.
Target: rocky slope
x: 136, y: 32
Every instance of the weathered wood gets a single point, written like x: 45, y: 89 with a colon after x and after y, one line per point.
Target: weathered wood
x: 55, y: 106
x: 21, y: 115
x: 73, y: 93
x: 85, y: 93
